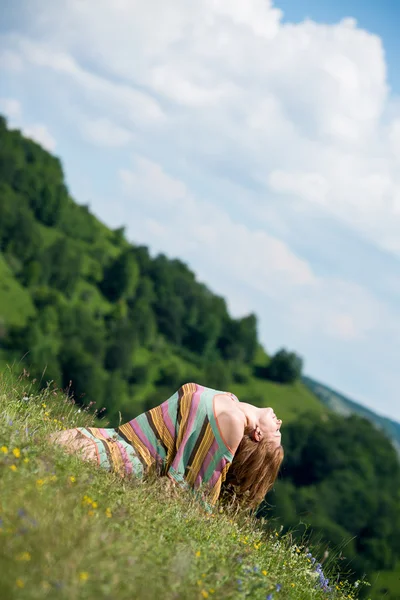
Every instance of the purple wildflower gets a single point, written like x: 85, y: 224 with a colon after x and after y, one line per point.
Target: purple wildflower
x: 269, y: 597
x: 278, y: 587
x: 22, y: 531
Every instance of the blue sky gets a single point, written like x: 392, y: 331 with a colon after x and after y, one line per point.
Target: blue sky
x: 258, y: 142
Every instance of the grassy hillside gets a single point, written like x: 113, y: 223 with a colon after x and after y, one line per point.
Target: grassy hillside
x: 386, y: 584
x: 69, y: 530
x: 86, y: 309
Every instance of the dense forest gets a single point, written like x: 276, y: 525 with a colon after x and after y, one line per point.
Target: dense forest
x: 85, y: 309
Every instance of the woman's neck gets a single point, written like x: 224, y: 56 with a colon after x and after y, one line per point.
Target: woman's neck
x: 250, y: 413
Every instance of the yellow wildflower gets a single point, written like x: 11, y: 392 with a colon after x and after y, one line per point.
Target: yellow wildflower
x: 26, y: 459
x: 44, y: 405
x: 94, y: 504
x: 108, y: 513
x: 83, y: 575
x: 72, y: 479
x: 40, y: 482
x: 264, y: 572
x: 19, y: 583
x: 199, y: 582
x: 13, y: 468
x: 24, y: 556
x: 204, y: 593
x: 211, y: 590
x: 4, y: 449
x: 17, y: 452
x: 198, y: 553
x: 293, y: 584
x: 46, y: 414
x: 90, y: 513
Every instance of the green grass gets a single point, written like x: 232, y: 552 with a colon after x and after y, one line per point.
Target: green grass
x: 386, y: 584
x: 15, y: 301
x: 69, y: 530
x: 289, y: 401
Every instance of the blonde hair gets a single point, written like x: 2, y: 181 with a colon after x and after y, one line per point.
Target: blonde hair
x: 253, y: 471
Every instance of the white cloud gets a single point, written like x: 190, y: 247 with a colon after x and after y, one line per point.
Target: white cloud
x: 10, y: 107
x: 149, y: 180
x: 103, y: 132
x: 312, y: 187
x: 10, y: 60
x: 184, y: 225
x: 300, y: 105
x: 133, y: 104
x: 40, y: 134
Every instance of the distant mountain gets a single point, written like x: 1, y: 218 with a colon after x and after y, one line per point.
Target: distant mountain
x: 342, y: 405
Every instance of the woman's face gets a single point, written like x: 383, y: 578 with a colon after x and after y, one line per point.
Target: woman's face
x: 269, y: 424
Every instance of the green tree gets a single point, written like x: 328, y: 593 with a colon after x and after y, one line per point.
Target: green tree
x: 116, y: 395
x: 121, y: 344
x: 25, y: 238
x: 121, y: 278
x: 78, y: 323
x: 82, y: 374
x: 285, y: 367
x: 62, y: 265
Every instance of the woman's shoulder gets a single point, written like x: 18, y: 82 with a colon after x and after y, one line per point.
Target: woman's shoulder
x: 231, y: 420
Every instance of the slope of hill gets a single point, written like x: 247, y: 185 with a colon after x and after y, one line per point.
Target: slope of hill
x: 89, y: 310
x: 69, y: 530
x: 80, y: 301
x: 339, y: 403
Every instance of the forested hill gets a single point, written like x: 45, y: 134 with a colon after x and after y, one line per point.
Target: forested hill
x: 344, y: 406
x: 97, y: 311
x: 82, y: 307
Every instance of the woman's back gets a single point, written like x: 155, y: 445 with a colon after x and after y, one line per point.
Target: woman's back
x: 181, y: 438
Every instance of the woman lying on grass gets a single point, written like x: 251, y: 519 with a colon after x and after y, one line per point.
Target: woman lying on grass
x: 199, y: 438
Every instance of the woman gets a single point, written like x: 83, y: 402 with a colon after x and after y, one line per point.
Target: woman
x: 200, y: 438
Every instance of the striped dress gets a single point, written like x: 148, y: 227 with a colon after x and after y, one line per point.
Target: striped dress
x: 180, y: 438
